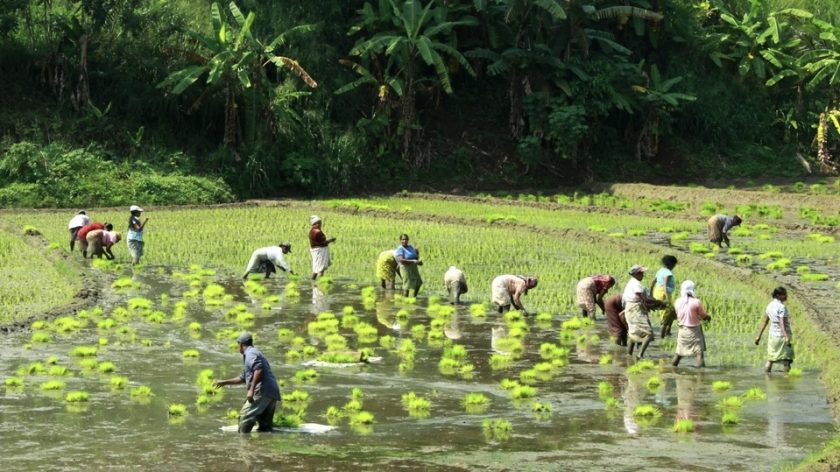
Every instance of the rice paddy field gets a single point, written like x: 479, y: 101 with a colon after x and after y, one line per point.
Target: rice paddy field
x: 126, y: 381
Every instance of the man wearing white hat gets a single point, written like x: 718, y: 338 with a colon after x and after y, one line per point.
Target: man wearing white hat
x: 76, y: 223
x: 267, y: 259
x: 135, y: 234
x: 318, y: 247
x: 637, y: 303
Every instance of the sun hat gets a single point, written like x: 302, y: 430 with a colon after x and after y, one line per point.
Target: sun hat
x: 135, y: 208
x: 245, y: 338
x: 314, y: 219
x: 637, y: 269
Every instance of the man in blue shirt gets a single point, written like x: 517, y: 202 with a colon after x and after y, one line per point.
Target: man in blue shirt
x: 263, y: 392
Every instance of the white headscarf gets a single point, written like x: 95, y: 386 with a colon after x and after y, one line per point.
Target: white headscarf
x: 314, y: 219
x: 687, y: 289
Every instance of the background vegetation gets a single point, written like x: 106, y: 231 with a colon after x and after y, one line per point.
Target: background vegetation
x: 194, y: 101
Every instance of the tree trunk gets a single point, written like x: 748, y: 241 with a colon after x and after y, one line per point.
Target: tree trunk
x: 82, y: 95
x: 516, y: 120
x: 231, y: 122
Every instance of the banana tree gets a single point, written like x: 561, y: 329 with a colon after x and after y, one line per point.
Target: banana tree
x: 236, y: 64
x: 658, y: 98
x: 420, y: 42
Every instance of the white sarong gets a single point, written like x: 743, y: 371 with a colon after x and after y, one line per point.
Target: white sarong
x: 500, y: 291
x: 320, y: 259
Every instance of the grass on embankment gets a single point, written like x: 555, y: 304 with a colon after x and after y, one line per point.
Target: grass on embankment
x: 33, y: 278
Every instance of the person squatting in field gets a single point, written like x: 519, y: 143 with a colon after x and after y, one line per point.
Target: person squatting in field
x: 456, y: 284
x: 719, y: 226
x: 507, y: 291
x: 265, y: 260
x: 387, y: 269
x: 101, y: 241
x: 590, y: 293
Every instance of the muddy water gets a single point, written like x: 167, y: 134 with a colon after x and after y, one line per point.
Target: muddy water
x: 39, y: 430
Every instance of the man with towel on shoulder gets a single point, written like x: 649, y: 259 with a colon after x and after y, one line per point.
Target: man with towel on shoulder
x: 318, y: 247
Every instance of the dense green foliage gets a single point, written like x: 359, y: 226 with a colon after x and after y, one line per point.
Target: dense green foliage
x: 288, y: 96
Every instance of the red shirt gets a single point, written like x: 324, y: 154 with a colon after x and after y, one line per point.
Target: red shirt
x: 317, y: 238
x: 88, y: 228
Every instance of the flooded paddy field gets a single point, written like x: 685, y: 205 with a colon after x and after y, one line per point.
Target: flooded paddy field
x: 168, y: 327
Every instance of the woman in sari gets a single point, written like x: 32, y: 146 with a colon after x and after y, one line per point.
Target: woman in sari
x: 409, y: 258
x: 690, y: 341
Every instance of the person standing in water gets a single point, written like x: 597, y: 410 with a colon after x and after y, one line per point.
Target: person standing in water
x: 135, y: 233
x: 319, y: 247
x: 779, y: 345
x: 263, y: 391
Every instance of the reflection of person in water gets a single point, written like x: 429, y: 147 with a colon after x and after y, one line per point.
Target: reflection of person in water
x: 320, y: 301
x: 452, y: 329
x: 686, y: 387
x: 385, y: 314
x: 633, y: 392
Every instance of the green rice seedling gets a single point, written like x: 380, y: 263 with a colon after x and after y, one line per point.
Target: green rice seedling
x: 735, y: 251
x: 795, y: 372
x: 803, y: 269
x: 39, y: 324
x: 730, y: 418
x: 641, y: 366
x: 814, y: 277
x: 567, y: 337
x: 550, y: 351
x: 339, y: 357
x: 418, y: 331
x: 699, y: 248
x: 66, y: 324
x: 177, y: 409
x: 349, y: 321
x: 107, y: 367
x: 387, y: 342
x: 286, y: 421
x: 500, y: 361
x: 284, y: 335
x: 357, y: 394
x: 508, y: 384
x: 367, y: 333
x: 35, y: 368
x: 683, y: 426
x: 77, y: 396
x: 770, y: 255
x: 478, y: 310
x: 528, y: 377
x: 677, y: 237
x: 335, y: 342
x: 103, y: 341
x: 53, y: 385
x: 447, y: 366
x: 475, y: 399
x: 605, y: 359
x: 610, y: 403
x: 756, y: 394
x: 141, y: 391
x: 648, y: 411
x: 413, y: 402
x: 52, y: 360
x: 510, y: 345
x: 106, y: 324
x: 361, y: 418
x: 296, y: 396
x: 190, y: 354
x: 616, y: 235
x: 653, y: 383
x: 637, y: 232
x: 523, y: 391
x: 124, y: 284
x: 88, y: 364
x: 292, y: 356
x: 84, y: 351
x: 731, y: 402
x: 13, y: 382
x: 542, y: 408
x: 456, y: 351
x: 499, y: 429
x: 118, y: 382
x: 139, y: 304
x: 298, y: 342
x: 306, y: 375
x: 743, y: 259
x: 779, y: 264
x: 605, y: 390
x: 721, y: 385
x: 41, y: 337
x: 333, y: 414
x: 406, y: 349
x: 310, y: 351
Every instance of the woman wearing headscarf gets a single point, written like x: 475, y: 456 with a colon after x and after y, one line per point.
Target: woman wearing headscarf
x: 719, y: 226
x: 590, y: 293
x: 690, y: 341
x: 507, y: 291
